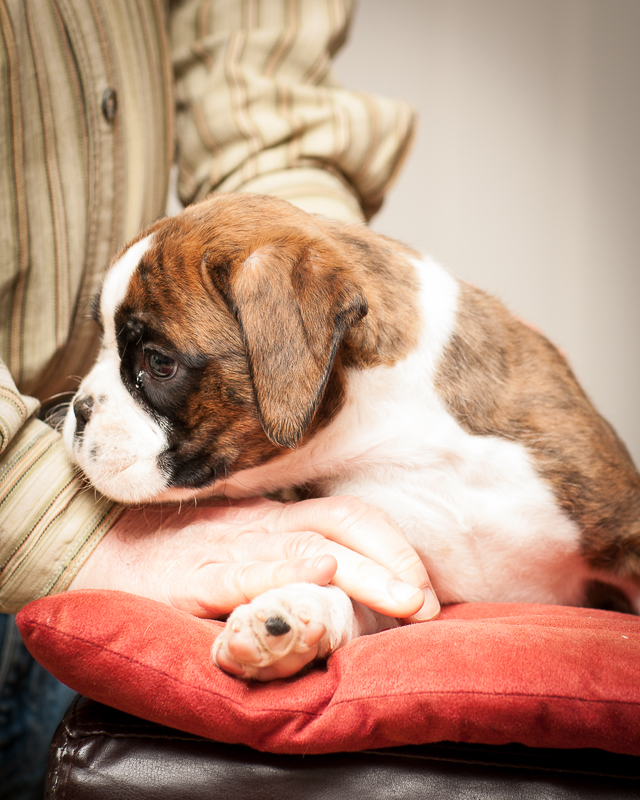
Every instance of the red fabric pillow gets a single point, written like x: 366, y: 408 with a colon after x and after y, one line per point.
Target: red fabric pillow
x: 543, y: 676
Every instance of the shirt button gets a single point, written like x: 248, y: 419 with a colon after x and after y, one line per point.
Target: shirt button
x: 109, y: 104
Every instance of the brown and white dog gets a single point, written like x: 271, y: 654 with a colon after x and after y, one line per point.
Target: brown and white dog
x: 249, y: 347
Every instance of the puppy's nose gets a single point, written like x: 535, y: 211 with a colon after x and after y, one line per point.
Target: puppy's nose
x: 82, y: 409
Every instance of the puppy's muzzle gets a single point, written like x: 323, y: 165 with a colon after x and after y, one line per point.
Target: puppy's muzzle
x: 82, y: 408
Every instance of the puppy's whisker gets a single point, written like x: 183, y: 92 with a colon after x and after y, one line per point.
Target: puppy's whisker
x: 239, y: 482
x: 58, y: 394
x: 55, y: 417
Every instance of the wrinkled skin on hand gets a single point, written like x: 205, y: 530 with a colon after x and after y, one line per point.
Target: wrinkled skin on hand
x: 210, y: 558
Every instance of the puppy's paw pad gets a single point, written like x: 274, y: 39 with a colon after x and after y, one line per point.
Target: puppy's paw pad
x: 265, y: 639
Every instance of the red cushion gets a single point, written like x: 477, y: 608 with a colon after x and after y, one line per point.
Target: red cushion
x: 543, y: 676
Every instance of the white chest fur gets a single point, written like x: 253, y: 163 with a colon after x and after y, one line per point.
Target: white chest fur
x: 486, y: 525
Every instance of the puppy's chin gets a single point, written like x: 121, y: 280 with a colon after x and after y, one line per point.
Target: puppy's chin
x: 108, y: 453
x: 178, y: 494
x: 135, y: 486
x: 138, y: 483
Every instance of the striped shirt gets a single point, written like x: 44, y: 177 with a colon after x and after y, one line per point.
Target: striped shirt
x: 99, y: 97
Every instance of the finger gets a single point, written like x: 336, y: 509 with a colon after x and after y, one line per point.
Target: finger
x: 360, y: 527
x: 378, y: 588
x: 216, y: 589
x: 370, y: 532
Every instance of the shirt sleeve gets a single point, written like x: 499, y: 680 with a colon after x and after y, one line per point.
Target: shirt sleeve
x: 258, y: 108
x: 50, y: 521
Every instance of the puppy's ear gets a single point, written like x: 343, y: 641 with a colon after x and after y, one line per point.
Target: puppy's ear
x: 294, y: 310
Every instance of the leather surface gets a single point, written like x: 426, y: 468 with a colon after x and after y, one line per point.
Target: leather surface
x: 102, y: 754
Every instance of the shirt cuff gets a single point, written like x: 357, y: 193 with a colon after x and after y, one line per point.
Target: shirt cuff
x: 50, y: 521
x: 314, y: 190
x: 15, y: 409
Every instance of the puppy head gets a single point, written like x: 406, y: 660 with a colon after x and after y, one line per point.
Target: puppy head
x: 220, y: 329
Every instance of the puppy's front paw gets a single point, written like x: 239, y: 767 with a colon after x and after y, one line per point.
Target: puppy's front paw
x: 283, y: 630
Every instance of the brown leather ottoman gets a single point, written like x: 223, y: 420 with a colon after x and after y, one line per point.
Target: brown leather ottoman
x: 101, y: 754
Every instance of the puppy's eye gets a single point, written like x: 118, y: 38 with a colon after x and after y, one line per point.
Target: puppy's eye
x: 160, y: 366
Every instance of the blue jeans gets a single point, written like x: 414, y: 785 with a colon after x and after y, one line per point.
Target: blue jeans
x: 32, y: 703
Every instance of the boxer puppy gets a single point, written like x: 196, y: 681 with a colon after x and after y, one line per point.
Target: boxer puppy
x: 248, y: 347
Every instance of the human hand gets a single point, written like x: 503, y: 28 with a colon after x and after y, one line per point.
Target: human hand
x: 210, y: 558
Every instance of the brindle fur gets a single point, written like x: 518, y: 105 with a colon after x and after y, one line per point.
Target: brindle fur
x: 492, y: 380
x: 272, y: 302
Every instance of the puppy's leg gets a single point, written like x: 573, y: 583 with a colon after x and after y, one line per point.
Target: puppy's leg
x: 614, y: 554
x: 283, y: 630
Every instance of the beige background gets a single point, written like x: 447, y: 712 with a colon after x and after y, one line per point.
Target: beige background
x: 525, y: 175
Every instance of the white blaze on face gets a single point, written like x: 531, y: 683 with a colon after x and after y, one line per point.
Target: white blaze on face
x: 116, y: 286
x: 118, y: 448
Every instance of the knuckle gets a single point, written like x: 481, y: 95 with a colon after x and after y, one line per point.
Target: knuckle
x: 406, y: 563
x: 237, y: 581
x: 356, y: 512
x: 351, y: 510
x: 366, y: 573
x: 304, y: 544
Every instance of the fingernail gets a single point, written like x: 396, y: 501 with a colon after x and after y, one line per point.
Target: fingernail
x: 430, y: 607
x: 401, y: 592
